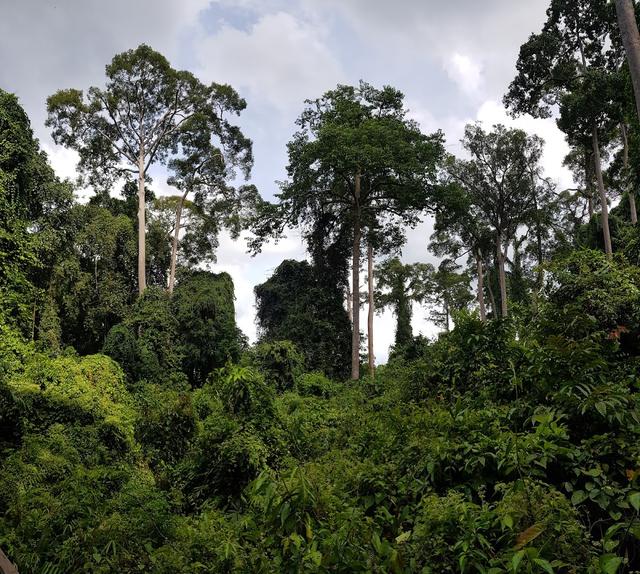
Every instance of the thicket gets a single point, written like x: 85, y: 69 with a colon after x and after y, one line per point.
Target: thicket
x: 139, y: 430
x: 507, y: 446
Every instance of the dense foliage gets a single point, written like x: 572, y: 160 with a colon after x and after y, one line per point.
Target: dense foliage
x: 141, y: 432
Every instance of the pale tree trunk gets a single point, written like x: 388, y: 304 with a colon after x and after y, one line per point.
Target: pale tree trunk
x: 627, y: 176
x: 176, y: 238
x: 492, y: 299
x: 6, y: 566
x: 349, y: 306
x: 355, y: 277
x: 483, y: 311
x: 372, y: 366
x: 603, y: 195
x: 142, y: 254
x: 631, y: 40
x: 588, y: 183
x: 502, y: 278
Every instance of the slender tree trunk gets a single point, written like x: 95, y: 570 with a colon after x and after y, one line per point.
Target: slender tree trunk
x: 446, y: 317
x: 631, y: 40
x: 603, y: 195
x: 174, y: 244
x: 372, y: 362
x: 631, y: 192
x: 142, y: 254
x: 483, y: 311
x: 588, y: 182
x: 6, y: 566
x: 349, y: 305
x: 355, y: 277
x: 492, y: 298
x: 502, y: 278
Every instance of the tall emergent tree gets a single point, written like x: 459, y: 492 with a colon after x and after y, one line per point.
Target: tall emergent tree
x: 458, y: 232
x: 210, y: 150
x: 628, y: 25
x: 561, y: 66
x: 134, y: 122
x: 358, y: 157
x: 500, y: 192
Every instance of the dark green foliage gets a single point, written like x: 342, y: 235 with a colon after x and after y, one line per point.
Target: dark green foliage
x: 203, y: 306
x: 590, y: 294
x: 281, y: 363
x: 156, y: 329
x: 299, y: 304
x: 166, y: 423
x: 122, y: 346
x: 315, y: 385
x: 235, y: 438
x: 504, y: 446
x: 33, y: 208
x: 500, y: 443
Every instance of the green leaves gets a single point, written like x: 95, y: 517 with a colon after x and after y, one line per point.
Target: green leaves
x: 609, y: 563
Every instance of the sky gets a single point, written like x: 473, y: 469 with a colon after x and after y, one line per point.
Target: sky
x: 452, y: 59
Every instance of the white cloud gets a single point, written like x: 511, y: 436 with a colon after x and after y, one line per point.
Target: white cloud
x: 64, y: 161
x: 281, y: 59
x: 465, y: 72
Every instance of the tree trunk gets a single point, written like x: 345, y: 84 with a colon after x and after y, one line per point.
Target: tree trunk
x: 349, y: 305
x: 631, y: 40
x: 492, y: 299
x: 483, y: 312
x: 502, y: 278
x: 446, y: 317
x: 6, y: 566
x: 142, y: 254
x: 174, y: 245
x: 355, y: 277
x: 588, y: 181
x: 372, y: 366
x: 627, y: 176
x: 603, y: 195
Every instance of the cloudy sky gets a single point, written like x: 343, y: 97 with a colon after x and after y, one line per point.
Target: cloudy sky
x: 453, y: 60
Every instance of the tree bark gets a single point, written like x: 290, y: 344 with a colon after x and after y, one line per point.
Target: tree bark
x: 349, y: 305
x: 6, y: 566
x: 372, y: 365
x: 603, y: 196
x: 502, y: 278
x: 483, y: 311
x: 142, y: 254
x: 492, y: 299
x: 588, y: 181
x: 625, y: 10
x: 627, y: 176
x: 174, y: 245
x: 355, y: 277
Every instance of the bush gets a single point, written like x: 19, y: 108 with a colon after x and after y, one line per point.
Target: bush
x: 315, y: 384
x: 280, y: 362
x: 203, y: 306
x: 166, y: 423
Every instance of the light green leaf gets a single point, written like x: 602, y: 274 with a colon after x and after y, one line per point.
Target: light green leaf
x: 544, y: 565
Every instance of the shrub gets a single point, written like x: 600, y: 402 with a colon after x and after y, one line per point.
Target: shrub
x: 280, y: 362
x: 315, y: 384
